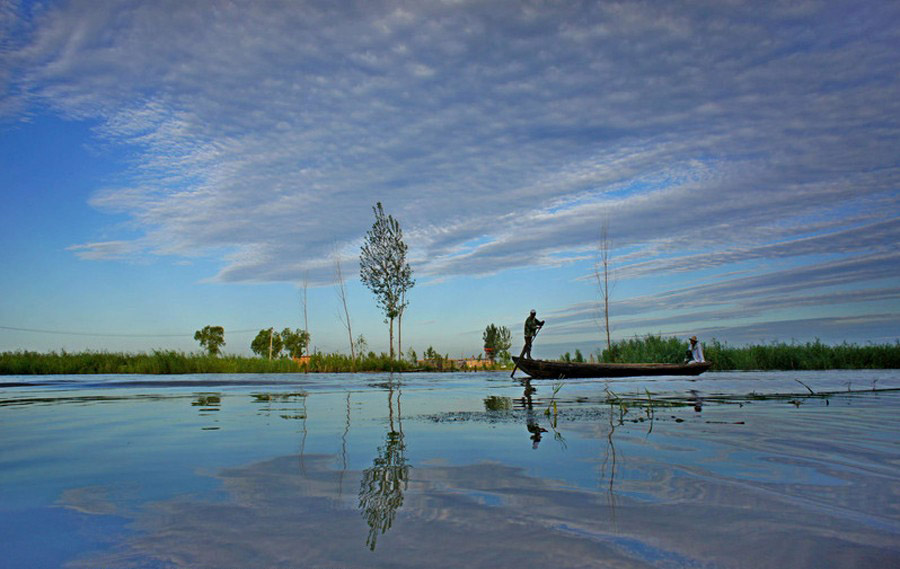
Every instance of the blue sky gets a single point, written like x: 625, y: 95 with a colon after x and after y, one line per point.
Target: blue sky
x: 168, y: 165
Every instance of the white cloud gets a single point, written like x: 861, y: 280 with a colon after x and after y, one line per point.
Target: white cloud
x: 119, y: 250
x: 264, y: 132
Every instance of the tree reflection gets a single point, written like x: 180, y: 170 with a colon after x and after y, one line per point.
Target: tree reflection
x: 208, y: 404
x: 344, y: 448
x: 608, y: 467
x: 382, y: 486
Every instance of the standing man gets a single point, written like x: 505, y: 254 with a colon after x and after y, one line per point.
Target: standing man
x: 532, y: 325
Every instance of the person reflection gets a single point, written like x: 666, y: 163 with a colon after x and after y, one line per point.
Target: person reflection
x: 382, y: 486
x: 535, y: 430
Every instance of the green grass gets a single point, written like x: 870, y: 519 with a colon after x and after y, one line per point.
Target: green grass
x: 172, y: 362
x: 156, y: 362
x: 774, y: 356
x: 649, y: 349
x: 341, y: 363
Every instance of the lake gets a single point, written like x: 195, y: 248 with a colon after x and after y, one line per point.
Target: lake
x: 339, y: 471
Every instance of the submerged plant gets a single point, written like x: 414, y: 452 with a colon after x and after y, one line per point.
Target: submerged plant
x: 552, y: 405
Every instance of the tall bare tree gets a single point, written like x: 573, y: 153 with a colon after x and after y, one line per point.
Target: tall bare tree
x: 602, y: 275
x: 400, y: 324
x: 341, y: 290
x: 383, y: 267
x: 303, y: 301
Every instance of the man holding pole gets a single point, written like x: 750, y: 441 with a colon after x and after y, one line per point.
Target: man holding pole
x: 532, y: 325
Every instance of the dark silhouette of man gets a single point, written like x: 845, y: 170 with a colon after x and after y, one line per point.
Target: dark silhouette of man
x: 532, y: 325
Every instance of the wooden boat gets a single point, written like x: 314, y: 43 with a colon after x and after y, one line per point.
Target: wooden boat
x: 547, y: 369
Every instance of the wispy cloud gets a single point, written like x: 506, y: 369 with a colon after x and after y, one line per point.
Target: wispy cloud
x: 732, y: 301
x: 119, y: 250
x: 500, y: 134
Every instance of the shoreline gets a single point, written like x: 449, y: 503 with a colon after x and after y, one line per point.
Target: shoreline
x: 811, y: 356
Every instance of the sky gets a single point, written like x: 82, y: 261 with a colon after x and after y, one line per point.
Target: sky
x: 167, y: 165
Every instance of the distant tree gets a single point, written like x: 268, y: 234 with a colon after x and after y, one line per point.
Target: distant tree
x: 383, y: 267
x: 211, y: 338
x: 295, y: 341
x: 412, y: 356
x: 267, y: 344
x: 362, y: 346
x: 497, y: 341
x: 579, y: 357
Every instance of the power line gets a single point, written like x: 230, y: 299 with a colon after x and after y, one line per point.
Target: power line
x: 109, y: 335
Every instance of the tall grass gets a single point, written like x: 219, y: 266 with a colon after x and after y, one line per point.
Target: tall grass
x: 382, y: 362
x: 648, y: 349
x: 156, y: 362
x: 172, y: 362
x: 806, y: 356
x: 332, y: 363
x: 774, y: 356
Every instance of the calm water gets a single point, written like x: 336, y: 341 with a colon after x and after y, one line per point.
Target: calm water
x: 450, y: 470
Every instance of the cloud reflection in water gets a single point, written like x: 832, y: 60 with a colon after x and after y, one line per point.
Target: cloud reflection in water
x: 489, y: 515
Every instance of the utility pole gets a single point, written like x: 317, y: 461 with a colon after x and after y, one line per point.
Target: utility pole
x: 271, y: 332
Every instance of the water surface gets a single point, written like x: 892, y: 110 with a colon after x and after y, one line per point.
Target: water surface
x: 798, y: 469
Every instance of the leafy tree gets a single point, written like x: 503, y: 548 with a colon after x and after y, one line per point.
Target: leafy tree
x: 362, y: 346
x: 579, y: 357
x: 211, y: 338
x: 295, y: 341
x: 383, y: 267
x: 497, y: 341
x: 264, y: 340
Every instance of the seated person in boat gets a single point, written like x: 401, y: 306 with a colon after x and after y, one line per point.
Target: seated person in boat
x: 532, y: 325
x: 695, y: 354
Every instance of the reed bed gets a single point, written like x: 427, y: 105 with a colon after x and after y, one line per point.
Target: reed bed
x: 156, y: 362
x: 648, y: 349
x: 162, y: 362
x: 814, y: 355
x: 341, y: 363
